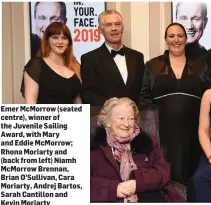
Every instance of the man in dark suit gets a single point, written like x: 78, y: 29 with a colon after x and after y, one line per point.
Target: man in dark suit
x: 112, y: 70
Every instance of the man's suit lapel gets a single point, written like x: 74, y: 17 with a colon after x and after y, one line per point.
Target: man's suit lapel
x: 131, y: 65
x: 110, y: 65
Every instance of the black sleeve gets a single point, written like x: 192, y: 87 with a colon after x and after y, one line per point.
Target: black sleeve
x: 205, y: 76
x: 146, y: 98
x: 142, y: 66
x: 33, y: 69
x: 90, y: 82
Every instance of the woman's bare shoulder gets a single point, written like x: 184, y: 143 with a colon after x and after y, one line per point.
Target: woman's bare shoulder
x: 207, y: 94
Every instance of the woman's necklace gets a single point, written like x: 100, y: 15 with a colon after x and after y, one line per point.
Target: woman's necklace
x: 56, y: 62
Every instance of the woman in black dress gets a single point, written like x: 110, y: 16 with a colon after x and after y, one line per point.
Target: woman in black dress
x: 175, y: 84
x: 53, y: 78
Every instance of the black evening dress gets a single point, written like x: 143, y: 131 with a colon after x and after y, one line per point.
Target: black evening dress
x: 178, y: 101
x: 53, y: 88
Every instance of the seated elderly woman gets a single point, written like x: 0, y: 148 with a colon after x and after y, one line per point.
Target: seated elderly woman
x: 126, y: 163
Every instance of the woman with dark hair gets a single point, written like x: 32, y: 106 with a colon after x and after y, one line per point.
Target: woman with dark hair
x: 54, y: 77
x: 126, y: 163
x: 175, y: 84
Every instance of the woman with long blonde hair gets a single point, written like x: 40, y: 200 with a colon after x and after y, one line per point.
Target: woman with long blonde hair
x: 54, y: 75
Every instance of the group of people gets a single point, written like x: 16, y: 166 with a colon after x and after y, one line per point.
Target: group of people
x: 126, y: 163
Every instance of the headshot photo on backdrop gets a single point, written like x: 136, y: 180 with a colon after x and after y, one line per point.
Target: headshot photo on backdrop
x: 80, y: 18
x: 45, y: 13
x: 194, y: 16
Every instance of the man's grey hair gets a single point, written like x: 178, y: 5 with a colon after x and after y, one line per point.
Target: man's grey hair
x: 107, y: 12
x: 201, y: 4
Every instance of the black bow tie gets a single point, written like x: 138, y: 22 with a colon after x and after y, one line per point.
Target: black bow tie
x: 120, y: 52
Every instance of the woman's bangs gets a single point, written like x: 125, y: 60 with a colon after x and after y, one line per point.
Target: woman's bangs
x: 66, y: 32
x: 55, y: 31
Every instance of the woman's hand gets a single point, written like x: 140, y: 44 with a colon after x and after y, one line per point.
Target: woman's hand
x: 78, y: 100
x: 129, y: 186
x: 121, y: 193
x: 126, y: 188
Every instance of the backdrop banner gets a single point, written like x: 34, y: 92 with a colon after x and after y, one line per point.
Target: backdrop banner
x: 81, y: 18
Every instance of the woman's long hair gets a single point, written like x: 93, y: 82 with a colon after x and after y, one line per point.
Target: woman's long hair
x: 56, y: 28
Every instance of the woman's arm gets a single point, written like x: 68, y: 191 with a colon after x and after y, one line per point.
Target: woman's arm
x: 101, y: 189
x: 156, y: 177
x: 31, y: 89
x: 31, y: 76
x: 204, y: 124
x: 78, y: 100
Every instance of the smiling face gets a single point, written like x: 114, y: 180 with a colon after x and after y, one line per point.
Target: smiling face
x: 58, y: 44
x: 46, y: 13
x: 191, y: 17
x: 176, y: 40
x: 122, y: 122
x: 111, y: 27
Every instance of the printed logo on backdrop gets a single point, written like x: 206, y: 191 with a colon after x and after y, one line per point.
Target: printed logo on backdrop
x: 80, y: 17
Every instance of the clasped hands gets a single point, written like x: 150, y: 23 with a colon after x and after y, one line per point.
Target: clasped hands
x: 126, y: 188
